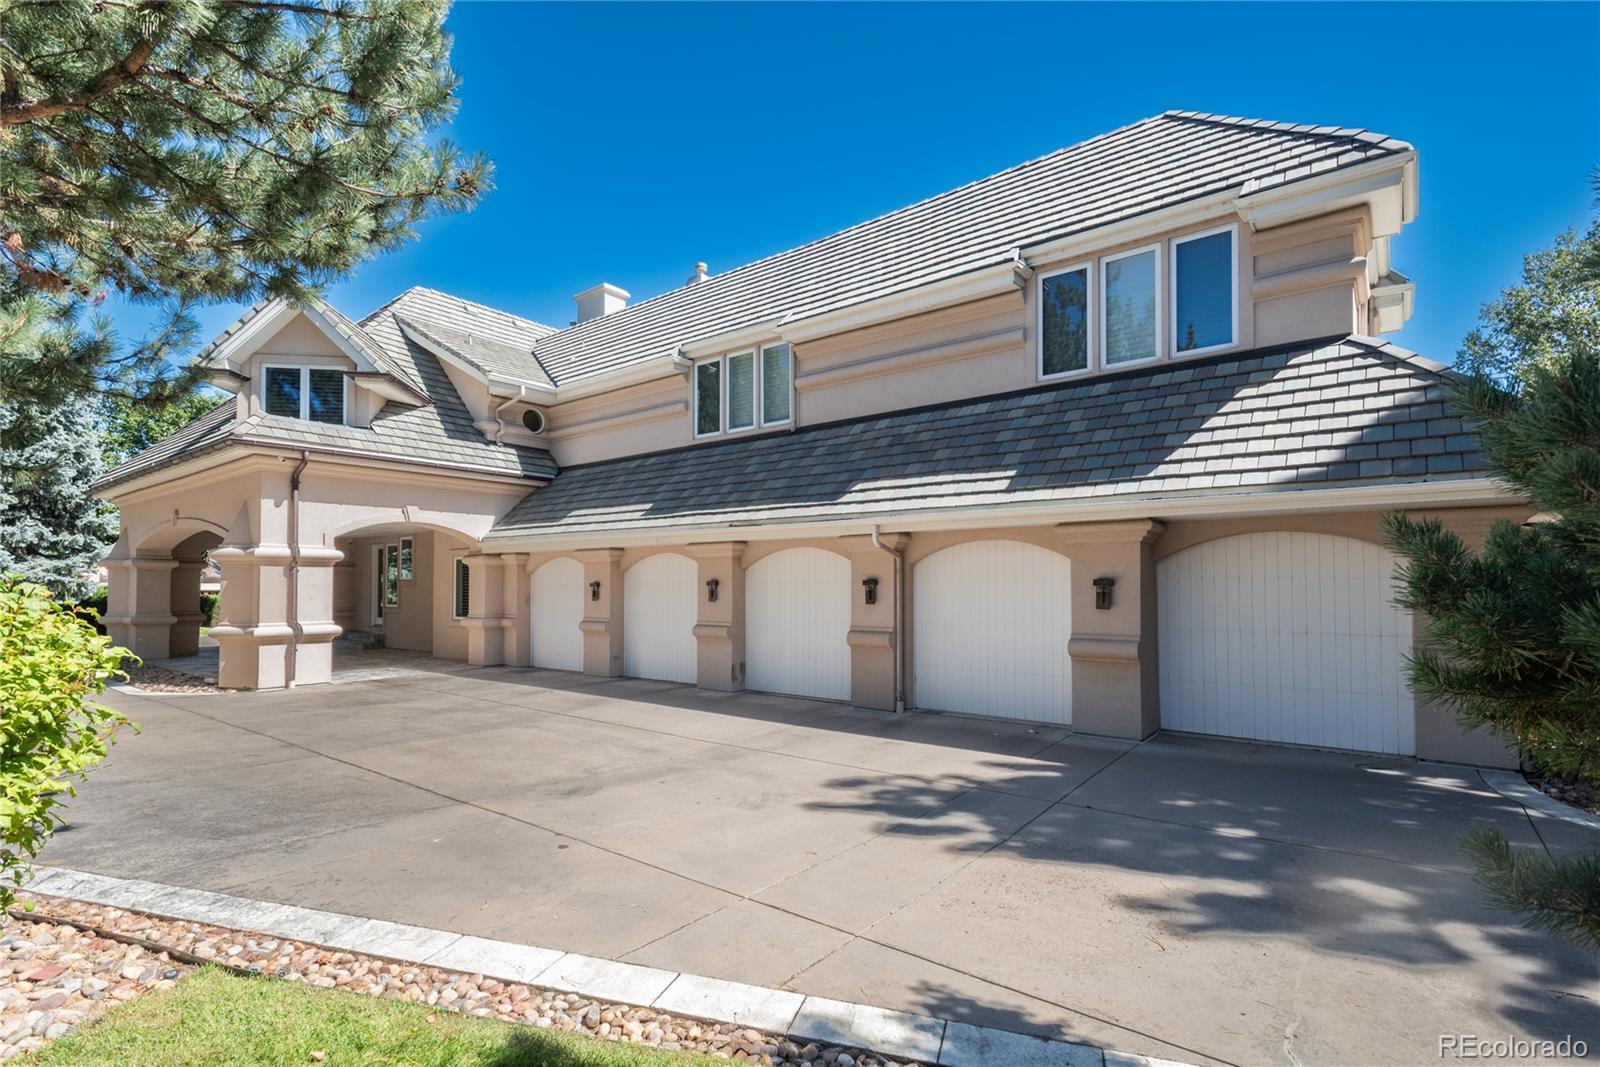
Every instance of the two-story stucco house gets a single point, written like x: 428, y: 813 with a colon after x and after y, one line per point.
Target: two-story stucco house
x: 1103, y: 439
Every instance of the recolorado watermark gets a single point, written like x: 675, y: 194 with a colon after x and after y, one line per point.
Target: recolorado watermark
x: 1510, y: 1047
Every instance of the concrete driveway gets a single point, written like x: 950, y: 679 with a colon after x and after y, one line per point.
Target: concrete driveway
x: 1188, y: 899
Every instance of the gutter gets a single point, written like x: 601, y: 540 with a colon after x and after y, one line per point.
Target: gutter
x: 293, y: 606
x: 899, y: 619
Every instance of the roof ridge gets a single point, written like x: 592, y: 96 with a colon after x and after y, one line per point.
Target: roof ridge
x: 1331, y: 133
x: 475, y: 303
x: 867, y: 221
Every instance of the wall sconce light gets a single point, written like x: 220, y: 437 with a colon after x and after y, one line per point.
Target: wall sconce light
x: 871, y: 586
x: 594, y: 590
x: 1102, y: 592
x: 711, y: 589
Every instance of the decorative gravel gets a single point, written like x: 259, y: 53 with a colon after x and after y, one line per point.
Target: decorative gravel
x: 53, y: 978
x: 473, y: 994
x: 167, y: 680
x: 1569, y: 791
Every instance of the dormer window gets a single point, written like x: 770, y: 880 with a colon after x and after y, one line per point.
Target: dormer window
x: 1107, y: 314
x: 312, y: 393
x: 743, y: 391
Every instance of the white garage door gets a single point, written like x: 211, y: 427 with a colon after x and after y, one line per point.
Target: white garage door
x: 1290, y: 637
x: 797, y: 624
x: 557, y: 611
x: 990, y: 621
x: 658, y: 616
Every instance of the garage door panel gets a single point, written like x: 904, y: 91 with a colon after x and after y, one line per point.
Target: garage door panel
x: 557, y: 606
x: 1285, y: 636
x: 797, y: 624
x: 990, y: 630
x: 659, y: 610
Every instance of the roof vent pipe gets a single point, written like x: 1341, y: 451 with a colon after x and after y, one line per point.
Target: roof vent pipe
x: 700, y: 274
x: 603, y: 299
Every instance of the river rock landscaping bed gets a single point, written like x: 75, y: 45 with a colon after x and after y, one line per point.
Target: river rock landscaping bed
x: 55, y: 977
x: 1579, y: 794
x: 167, y: 680
x: 477, y: 995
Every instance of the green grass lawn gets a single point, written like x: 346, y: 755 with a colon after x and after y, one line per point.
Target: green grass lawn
x: 214, y: 1017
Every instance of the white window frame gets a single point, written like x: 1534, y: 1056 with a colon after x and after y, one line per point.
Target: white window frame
x: 458, y: 563
x: 694, y: 396
x: 1159, y: 289
x: 758, y: 371
x: 408, y: 546
x: 1091, y: 321
x: 395, y: 603
x: 1232, y: 230
x: 377, y: 587
x: 305, y: 370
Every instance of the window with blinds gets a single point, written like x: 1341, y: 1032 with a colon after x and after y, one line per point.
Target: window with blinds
x: 743, y: 390
x: 1129, y: 307
x: 1202, y: 292
x: 312, y: 393
x: 463, y: 589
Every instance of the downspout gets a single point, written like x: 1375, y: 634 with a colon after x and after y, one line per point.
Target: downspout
x: 899, y: 619
x: 294, y: 571
x: 500, y: 424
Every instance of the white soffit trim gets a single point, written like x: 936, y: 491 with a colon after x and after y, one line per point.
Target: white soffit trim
x: 1459, y: 492
x: 1388, y: 186
x: 253, y: 334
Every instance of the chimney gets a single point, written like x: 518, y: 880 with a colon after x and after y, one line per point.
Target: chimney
x: 700, y: 274
x: 603, y: 299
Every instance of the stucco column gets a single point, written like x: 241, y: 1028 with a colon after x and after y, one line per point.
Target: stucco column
x: 719, y: 626
x: 490, y: 606
x: 1115, y: 686
x: 602, y: 611
x: 344, y: 594
x: 519, y: 608
x: 315, y: 599
x: 253, y: 631
x: 139, y: 605
x: 873, y: 641
x: 185, y: 600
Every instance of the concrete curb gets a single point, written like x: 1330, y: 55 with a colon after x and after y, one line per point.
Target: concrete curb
x: 780, y: 1011
x: 1513, y: 786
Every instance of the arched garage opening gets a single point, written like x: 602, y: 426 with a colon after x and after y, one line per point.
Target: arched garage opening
x: 797, y: 623
x: 990, y: 626
x: 1285, y: 636
x: 557, y: 606
x: 659, y: 609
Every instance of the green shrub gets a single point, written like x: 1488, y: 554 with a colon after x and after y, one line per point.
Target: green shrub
x: 209, y: 602
x: 52, y: 665
x: 95, y: 604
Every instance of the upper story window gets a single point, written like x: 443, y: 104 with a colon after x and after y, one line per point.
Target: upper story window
x: 314, y: 393
x: 1129, y: 307
x: 1203, y: 308
x: 1107, y: 314
x: 743, y: 391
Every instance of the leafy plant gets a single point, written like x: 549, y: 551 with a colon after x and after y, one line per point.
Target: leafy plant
x: 52, y: 732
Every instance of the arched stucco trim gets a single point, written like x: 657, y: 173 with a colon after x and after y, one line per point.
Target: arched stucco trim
x: 924, y: 547
x: 629, y: 564
x: 358, y: 528
x: 1364, y: 526
x: 162, y: 537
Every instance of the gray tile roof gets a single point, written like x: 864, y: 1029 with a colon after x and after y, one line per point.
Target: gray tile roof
x: 493, y: 340
x: 1158, y: 163
x: 438, y: 433
x: 1347, y: 412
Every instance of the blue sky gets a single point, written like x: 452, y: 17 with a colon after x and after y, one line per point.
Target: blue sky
x: 630, y: 141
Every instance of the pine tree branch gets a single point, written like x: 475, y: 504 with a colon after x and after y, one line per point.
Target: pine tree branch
x: 108, y: 81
